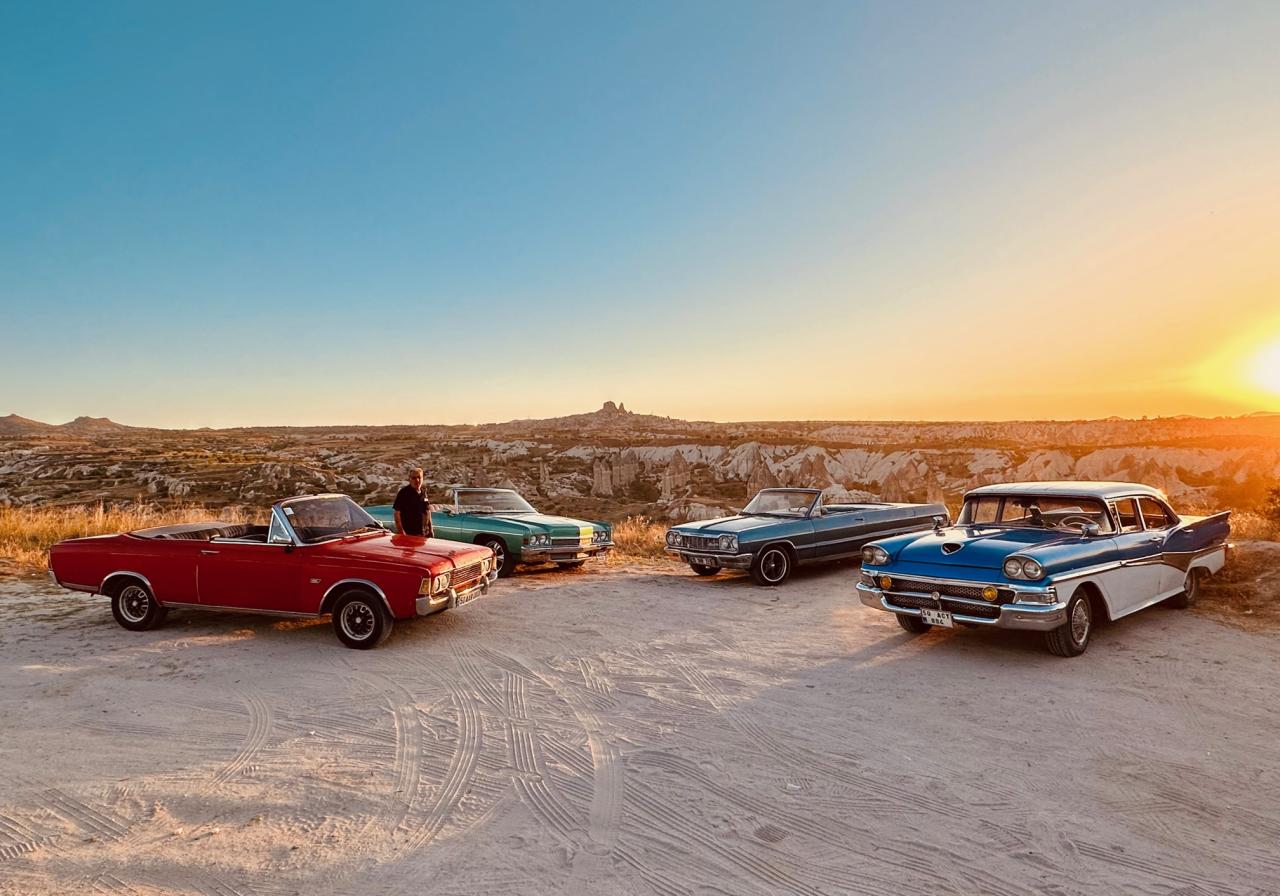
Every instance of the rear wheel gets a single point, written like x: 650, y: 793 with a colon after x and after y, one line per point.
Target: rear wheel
x: 1072, y: 637
x: 704, y: 570
x: 360, y: 620
x: 772, y: 566
x: 1190, y: 590
x: 503, y: 559
x: 135, y: 607
x: 913, y: 624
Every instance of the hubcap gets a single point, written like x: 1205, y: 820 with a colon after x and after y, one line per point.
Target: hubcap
x: 357, y: 620
x: 773, y: 565
x: 1191, y: 585
x: 499, y: 553
x: 134, y: 603
x: 1080, y: 621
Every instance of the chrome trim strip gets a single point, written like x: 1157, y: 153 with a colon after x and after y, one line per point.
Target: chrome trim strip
x: 1020, y: 585
x: 366, y: 582
x: 128, y: 572
x: 1088, y: 571
x: 218, y: 608
x: 72, y: 586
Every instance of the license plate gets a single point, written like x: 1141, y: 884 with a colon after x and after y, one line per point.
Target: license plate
x: 937, y: 617
x: 464, y: 599
x: 704, y: 561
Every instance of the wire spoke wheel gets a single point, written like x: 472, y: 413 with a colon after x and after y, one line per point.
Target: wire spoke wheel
x: 1080, y: 622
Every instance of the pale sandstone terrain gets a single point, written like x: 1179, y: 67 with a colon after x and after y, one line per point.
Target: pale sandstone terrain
x: 632, y: 731
x: 613, y: 463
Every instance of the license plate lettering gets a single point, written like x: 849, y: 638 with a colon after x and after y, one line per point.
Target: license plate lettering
x: 937, y: 617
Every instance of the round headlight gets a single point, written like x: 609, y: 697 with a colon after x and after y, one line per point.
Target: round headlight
x: 875, y: 555
x: 1031, y: 569
x: 671, y: 536
x: 1013, y: 568
x: 726, y: 542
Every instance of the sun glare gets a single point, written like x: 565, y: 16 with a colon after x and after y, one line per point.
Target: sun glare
x: 1265, y: 369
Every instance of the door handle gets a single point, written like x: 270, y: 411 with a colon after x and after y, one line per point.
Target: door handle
x: 208, y: 553
x: 1156, y: 539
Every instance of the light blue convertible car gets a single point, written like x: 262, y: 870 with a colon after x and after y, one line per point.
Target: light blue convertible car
x: 1054, y: 557
x: 782, y: 527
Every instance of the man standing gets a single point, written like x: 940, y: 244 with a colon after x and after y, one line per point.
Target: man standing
x: 413, y: 510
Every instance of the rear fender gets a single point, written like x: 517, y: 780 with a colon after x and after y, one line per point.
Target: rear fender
x: 1198, y: 534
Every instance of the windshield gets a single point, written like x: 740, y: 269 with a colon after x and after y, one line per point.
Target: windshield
x: 780, y: 502
x: 491, y: 500
x: 315, y: 519
x: 1035, y: 512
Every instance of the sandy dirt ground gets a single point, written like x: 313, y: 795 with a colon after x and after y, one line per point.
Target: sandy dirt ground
x: 632, y: 732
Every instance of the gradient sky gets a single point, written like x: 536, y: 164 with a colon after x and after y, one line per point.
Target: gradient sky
x: 226, y: 214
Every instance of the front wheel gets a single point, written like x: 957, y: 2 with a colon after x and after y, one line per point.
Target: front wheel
x: 913, y: 624
x: 1072, y: 637
x: 772, y: 566
x: 704, y: 570
x: 360, y: 620
x: 503, y: 559
x: 1190, y: 590
x: 135, y: 608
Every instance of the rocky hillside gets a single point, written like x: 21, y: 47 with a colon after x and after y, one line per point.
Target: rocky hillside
x: 612, y: 462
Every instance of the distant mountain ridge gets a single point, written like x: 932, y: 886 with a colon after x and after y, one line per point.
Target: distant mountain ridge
x: 15, y: 425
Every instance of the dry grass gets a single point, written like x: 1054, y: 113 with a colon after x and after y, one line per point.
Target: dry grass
x: 638, y: 538
x: 26, y: 533
x: 1246, y: 593
x: 1247, y: 525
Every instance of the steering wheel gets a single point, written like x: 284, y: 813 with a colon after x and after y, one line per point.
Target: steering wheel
x: 1075, y: 519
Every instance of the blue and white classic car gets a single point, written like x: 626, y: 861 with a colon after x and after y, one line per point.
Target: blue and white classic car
x: 1054, y: 557
x: 781, y: 527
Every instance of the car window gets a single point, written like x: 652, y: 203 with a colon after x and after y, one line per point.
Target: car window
x: 1154, y: 514
x: 1127, y: 508
x: 277, y: 534
x: 982, y: 510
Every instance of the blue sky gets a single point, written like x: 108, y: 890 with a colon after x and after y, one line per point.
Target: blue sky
x: 313, y: 213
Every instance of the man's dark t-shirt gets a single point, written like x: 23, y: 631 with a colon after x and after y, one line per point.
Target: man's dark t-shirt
x: 414, y: 509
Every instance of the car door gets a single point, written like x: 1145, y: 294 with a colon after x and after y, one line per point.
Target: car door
x: 1159, y: 520
x: 1138, y: 580
x: 253, y: 575
x: 844, y: 532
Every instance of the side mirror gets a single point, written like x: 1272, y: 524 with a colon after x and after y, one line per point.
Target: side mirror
x: 938, y: 522
x: 1090, y: 530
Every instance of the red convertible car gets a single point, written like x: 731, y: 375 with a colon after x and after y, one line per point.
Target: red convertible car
x: 319, y: 554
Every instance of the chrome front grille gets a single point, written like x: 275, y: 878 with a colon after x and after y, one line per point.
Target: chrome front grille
x: 983, y: 611
x: 700, y: 542
x: 570, y: 541
x: 464, y: 576
x: 946, y: 589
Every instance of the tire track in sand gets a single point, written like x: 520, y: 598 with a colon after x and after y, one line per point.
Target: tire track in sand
x: 259, y: 733
x: 605, y: 811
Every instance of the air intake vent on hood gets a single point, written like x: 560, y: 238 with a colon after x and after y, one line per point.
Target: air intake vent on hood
x: 950, y: 547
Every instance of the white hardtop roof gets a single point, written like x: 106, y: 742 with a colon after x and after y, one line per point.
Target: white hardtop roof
x: 1069, y: 489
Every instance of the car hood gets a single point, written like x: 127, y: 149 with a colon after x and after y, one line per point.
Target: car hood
x: 435, y: 554
x: 732, y: 525
x: 982, y: 547
x: 545, y: 523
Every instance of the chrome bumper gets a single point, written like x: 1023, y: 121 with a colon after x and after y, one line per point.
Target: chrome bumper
x: 451, y: 598
x: 718, y: 561
x: 564, y: 553
x: 1033, y: 617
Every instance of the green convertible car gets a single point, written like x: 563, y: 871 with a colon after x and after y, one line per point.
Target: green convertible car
x: 505, y: 522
